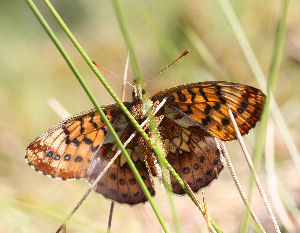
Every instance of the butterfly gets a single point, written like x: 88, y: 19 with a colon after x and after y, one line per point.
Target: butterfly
x: 193, y: 117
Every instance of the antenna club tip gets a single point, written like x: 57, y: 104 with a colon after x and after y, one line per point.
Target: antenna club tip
x: 186, y: 52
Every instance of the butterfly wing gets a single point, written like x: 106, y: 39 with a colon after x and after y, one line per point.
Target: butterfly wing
x: 207, y: 104
x: 192, y: 152
x: 119, y: 182
x: 66, y: 150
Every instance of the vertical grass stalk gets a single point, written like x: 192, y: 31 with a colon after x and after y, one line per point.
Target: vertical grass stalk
x: 273, y: 74
x: 153, y: 129
x: 92, y: 98
x: 128, y: 41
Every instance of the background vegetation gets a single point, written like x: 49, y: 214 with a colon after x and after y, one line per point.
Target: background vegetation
x: 32, y: 71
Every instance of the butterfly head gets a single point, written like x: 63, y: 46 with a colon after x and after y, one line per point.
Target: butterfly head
x: 138, y: 92
x: 141, y: 103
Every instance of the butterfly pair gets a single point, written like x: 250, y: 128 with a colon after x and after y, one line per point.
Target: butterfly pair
x: 193, y: 117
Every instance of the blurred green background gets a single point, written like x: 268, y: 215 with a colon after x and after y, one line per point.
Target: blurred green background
x: 32, y: 71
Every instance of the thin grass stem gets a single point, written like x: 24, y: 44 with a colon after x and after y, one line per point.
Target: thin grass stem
x: 128, y: 41
x: 274, y: 69
x: 197, y: 202
x: 273, y: 74
x: 239, y: 187
x: 252, y: 61
x: 78, y: 76
x: 64, y: 230
x: 156, y: 145
x: 243, y: 42
x: 254, y: 174
x: 141, y: 87
x: 207, y: 218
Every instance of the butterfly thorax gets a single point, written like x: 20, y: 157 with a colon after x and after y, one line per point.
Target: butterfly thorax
x: 141, y: 104
x: 141, y: 110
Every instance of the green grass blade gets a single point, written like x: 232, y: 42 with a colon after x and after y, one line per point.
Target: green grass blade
x: 153, y: 129
x: 103, y: 116
x: 140, y: 80
x: 161, y: 158
x: 128, y: 41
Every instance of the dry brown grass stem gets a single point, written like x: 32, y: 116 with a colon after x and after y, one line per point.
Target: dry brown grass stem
x: 256, y: 178
x: 239, y: 186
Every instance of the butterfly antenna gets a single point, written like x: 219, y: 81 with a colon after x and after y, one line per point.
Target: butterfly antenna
x: 111, y: 73
x: 182, y: 55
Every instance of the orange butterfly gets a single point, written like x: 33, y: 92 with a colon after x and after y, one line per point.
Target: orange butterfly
x: 192, y: 117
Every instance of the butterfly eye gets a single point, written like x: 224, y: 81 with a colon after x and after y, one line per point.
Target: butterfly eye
x: 133, y: 94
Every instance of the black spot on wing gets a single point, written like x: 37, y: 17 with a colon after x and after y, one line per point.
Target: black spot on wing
x: 203, y: 93
x: 181, y: 96
x: 67, y: 157
x: 225, y: 121
x: 78, y: 158
x: 207, y: 110
x: 76, y: 142
x: 189, y: 110
x: 193, y: 95
x: 87, y: 140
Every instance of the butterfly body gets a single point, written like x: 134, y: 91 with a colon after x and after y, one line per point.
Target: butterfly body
x: 191, y: 120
